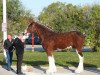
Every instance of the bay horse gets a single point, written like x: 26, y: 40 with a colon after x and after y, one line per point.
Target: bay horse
x: 52, y: 40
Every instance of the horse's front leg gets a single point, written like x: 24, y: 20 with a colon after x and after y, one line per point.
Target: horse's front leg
x: 52, y: 66
x: 80, y: 66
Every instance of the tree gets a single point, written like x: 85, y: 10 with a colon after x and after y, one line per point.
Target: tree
x: 17, y: 16
x: 62, y: 17
x: 96, y: 23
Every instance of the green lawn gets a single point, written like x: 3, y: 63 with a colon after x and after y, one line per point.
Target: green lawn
x: 91, y: 59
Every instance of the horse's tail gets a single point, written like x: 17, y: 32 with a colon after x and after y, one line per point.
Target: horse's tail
x: 81, y: 34
x: 84, y: 34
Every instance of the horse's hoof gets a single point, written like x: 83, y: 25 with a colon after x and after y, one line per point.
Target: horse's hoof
x: 51, y: 71
x: 79, y: 70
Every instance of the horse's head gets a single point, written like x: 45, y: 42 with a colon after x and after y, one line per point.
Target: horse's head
x: 31, y: 28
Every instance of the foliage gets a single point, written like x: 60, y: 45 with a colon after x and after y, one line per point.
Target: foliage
x: 17, y: 16
x: 96, y: 18
x: 61, y: 17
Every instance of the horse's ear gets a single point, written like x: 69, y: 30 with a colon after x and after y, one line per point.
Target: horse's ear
x: 30, y: 21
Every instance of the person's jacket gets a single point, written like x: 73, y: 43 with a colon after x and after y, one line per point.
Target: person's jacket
x: 8, y: 45
x: 19, y: 45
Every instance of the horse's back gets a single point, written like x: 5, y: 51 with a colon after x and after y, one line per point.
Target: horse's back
x: 68, y: 35
x: 63, y: 40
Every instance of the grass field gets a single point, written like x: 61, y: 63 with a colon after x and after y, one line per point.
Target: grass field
x: 91, y: 59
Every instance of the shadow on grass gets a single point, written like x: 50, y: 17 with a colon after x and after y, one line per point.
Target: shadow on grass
x: 37, y: 65
x: 94, y: 70
x: 2, y: 62
x: 88, y: 67
x: 4, y: 65
x: 75, y: 64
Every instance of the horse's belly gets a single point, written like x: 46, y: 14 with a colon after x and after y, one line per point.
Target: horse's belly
x: 62, y: 46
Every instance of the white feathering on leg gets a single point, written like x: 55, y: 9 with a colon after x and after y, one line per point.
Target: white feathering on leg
x: 80, y: 66
x: 52, y: 66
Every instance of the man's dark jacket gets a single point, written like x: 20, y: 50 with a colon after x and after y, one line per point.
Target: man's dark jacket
x: 19, y: 45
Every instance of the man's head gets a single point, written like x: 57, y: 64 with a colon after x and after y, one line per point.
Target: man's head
x: 9, y: 37
x: 20, y: 36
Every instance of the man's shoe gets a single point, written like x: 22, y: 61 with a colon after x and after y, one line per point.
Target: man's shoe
x: 20, y: 73
x: 8, y: 69
x: 12, y: 69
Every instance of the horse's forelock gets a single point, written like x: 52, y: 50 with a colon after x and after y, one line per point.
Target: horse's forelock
x: 31, y: 24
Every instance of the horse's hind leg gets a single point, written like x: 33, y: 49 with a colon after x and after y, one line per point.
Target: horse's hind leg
x: 52, y: 66
x: 81, y: 59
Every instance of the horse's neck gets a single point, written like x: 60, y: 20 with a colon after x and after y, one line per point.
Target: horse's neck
x: 41, y: 31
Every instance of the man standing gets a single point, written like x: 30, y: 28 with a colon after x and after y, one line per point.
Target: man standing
x: 9, y: 51
x: 19, y: 46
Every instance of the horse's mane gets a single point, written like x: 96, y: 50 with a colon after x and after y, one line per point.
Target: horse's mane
x: 44, y: 27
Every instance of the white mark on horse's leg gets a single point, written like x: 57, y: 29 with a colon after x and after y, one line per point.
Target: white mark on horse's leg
x: 80, y: 66
x: 52, y: 66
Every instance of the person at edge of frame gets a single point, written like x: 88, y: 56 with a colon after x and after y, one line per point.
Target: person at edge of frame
x: 9, y: 51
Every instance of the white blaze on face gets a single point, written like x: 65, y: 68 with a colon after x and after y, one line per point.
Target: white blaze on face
x: 80, y: 66
x: 25, y: 36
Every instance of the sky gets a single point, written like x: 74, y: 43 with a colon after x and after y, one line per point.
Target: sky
x: 36, y: 6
